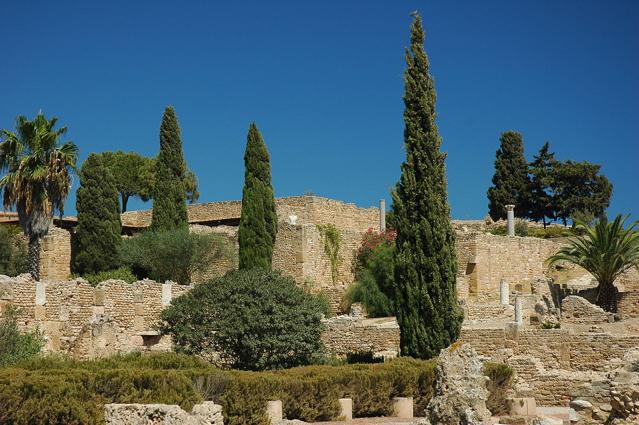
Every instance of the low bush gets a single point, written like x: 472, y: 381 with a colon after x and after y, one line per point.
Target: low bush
x: 17, y: 346
x: 122, y: 273
x: 374, y: 276
x: 56, y: 390
x: 500, y: 377
x: 172, y: 254
x: 252, y: 319
x: 523, y: 229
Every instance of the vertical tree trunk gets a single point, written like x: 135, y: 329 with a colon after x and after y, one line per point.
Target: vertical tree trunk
x: 125, y: 200
x: 607, y: 297
x: 34, y: 257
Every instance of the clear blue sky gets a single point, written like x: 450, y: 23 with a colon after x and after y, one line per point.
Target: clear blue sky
x: 323, y: 81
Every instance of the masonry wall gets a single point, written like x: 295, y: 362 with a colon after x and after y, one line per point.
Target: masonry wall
x: 628, y: 306
x: 551, y: 361
x: 485, y: 259
x: 55, y: 255
x: 346, y: 334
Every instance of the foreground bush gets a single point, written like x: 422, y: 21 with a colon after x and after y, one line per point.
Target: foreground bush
x: 16, y: 346
x: 171, y: 254
x: 61, y: 391
x: 254, y: 319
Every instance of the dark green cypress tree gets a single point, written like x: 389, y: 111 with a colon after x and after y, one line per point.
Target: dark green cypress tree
x: 169, y: 199
x: 97, y: 235
x: 541, y: 174
x: 425, y: 264
x: 510, y: 181
x: 258, y: 223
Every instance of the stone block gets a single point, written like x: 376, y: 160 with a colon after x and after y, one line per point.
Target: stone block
x: 166, y: 293
x: 98, y: 310
x: 138, y: 323
x: 523, y: 406
x: 40, y: 312
x: 512, y: 330
x: 346, y: 409
x: 274, y: 411
x: 98, y: 296
x: 138, y: 297
x: 403, y: 407
x: 139, y: 309
x: 40, y: 294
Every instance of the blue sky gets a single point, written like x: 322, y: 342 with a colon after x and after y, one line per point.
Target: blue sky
x: 323, y: 81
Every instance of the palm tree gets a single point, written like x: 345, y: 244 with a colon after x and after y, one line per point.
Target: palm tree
x: 38, y: 177
x: 606, y: 250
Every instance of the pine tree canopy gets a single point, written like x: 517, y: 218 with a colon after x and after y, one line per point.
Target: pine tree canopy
x: 425, y: 262
x: 541, y: 182
x: 258, y: 222
x: 97, y: 235
x: 510, y: 181
x: 169, y: 198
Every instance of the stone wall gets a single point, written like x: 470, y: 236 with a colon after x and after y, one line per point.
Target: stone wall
x: 576, y: 309
x: 348, y: 334
x: 118, y: 317
x: 485, y: 259
x: 553, y: 362
x: 55, y: 255
x: 628, y: 306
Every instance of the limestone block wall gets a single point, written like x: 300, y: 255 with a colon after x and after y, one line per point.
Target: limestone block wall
x: 55, y: 255
x: 347, y: 334
x: 553, y: 362
x: 143, y: 414
x: 628, y: 305
x: 485, y: 259
x: 576, y: 309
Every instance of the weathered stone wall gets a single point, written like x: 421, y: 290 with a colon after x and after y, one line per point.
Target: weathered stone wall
x: 348, y: 334
x: 576, y: 309
x: 485, y: 259
x: 118, y: 317
x: 553, y: 362
x: 55, y: 255
x: 628, y: 306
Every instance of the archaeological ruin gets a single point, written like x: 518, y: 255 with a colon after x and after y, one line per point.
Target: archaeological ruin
x: 566, y: 352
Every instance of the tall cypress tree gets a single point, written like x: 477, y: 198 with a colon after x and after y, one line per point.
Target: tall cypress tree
x: 510, y: 181
x: 541, y: 182
x: 258, y: 223
x: 425, y: 264
x: 169, y: 199
x: 97, y: 235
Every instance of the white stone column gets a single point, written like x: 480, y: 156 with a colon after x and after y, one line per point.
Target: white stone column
x: 274, y: 412
x: 403, y: 407
x: 510, y: 215
x: 518, y: 311
x: 346, y: 409
x: 504, y: 295
x: 166, y: 293
x: 382, y: 215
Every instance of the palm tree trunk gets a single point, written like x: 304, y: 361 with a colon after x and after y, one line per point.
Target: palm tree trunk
x: 607, y: 297
x: 34, y: 257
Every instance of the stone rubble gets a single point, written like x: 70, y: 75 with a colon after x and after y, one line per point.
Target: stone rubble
x: 206, y: 413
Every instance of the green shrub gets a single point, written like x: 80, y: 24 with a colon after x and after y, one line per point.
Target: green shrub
x: 13, y: 251
x: 363, y: 357
x: 253, y: 319
x: 375, y: 276
x: 500, y: 378
x: 16, y: 346
x: 172, y: 254
x: 547, y: 324
x: 122, y: 273
x: 551, y: 232
x: 59, y: 390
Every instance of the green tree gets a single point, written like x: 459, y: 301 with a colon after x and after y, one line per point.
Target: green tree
x: 258, y: 222
x: 425, y: 264
x: 135, y: 177
x: 606, y: 250
x: 98, y: 234
x: 579, y: 188
x: 541, y: 183
x: 169, y: 199
x: 13, y: 253
x: 254, y: 320
x: 38, y: 177
x: 510, y: 181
